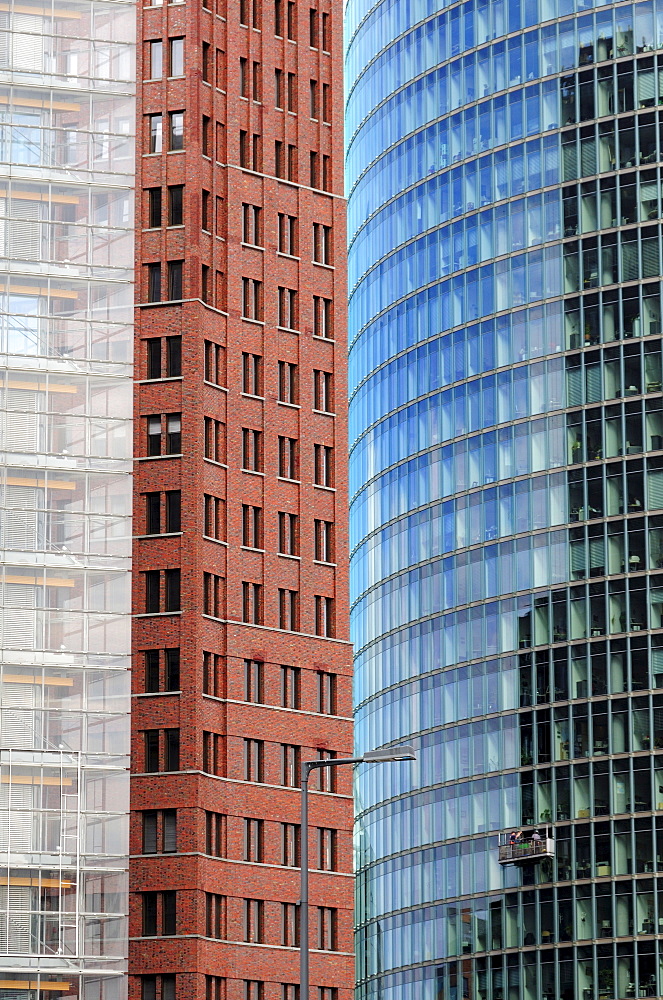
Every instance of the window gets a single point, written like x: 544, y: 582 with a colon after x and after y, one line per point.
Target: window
x: 326, y: 692
x: 326, y: 775
x: 205, y: 283
x: 159, y: 831
x: 326, y: 173
x: 153, y: 425
x: 220, y: 69
x: 290, y: 925
x: 326, y: 103
x: 253, y: 989
x: 172, y: 755
x: 323, y: 394
x: 288, y: 383
x: 288, y: 464
x: 213, y: 674
x: 278, y: 17
x: 289, y: 991
x: 244, y: 149
x: 154, y: 358
x: 206, y: 136
x: 151, y: 750
x: 215, y: 988
x: 252, y: 603
x: 322, y: 243
x: 252, y: 8
x: 291, y: 21
x: 254, y: 921
x: 213, y: 754
x: 253, y: 680
x: 287, y: 234
x: 154, y: 207
x: 326, y: 32
x: 278, y: 89
x: 254, y: 751
x: 215, y: 363
x: 288, y: 534
x: 290, y: 765
x: 176, y: 205
x: 156, y: 355
x: 256, y: 153
x: 290, y: 844
x: 290, y: 687
x: 314, y: 169
x: 313, y: 28
x: 154, y: 282
x: 256, y: 82
x: 156, y: 133
x: 215, y: 834
x: 176, y: 57
x: 152, y: 592
x: 322, y: 317
x: 251, y: 449
x: 323, y: 457
x: 243, y: 77
x: 172, y: 669
x: 253, y: 840
x: 251, y: 225
x: 279, y: 158
x: 215, y: 517
x: 288, y: 610
x: 171, y: 674
x: 252, y: 374
x: 328, y: 993
x: 206, y: 62
x: 156, y: 60
x: 150, y: 987
x: 173, y: 511
x: 313, y: 98
x: 215, y: 440
x: 215, y: 915
x: 150, y: 913
x: 244, y: 13
x: 324, y: 617
x: 205, y: 211
x: 292, y: 93
x: 292, y: 162
x: 287, y: 308
x: 213, y: 595
x: 152, y: 673
x: 176, y: 130
x: 175, y: 279
x: 323, y: 539
x: 251, y: 298
x: 327, y: 929
x: 326, y: 849
x: 153, y: 512
x: 152, y: 903
x: 251, y: 526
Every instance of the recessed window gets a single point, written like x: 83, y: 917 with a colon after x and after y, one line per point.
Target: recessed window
x: 176, y: 57
x: 176, y: 130
x: 154, y: 207
x: 156, y: 133
x: 156, y: 60
x: 176, y: 205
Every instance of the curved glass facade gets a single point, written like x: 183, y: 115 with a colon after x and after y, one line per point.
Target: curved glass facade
x: 506, y: 472
x: 67, y: 109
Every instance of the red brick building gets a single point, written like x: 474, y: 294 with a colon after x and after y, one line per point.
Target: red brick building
x: 242, y: 665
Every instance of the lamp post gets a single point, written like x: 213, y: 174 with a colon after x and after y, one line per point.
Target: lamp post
x: 382, y: 756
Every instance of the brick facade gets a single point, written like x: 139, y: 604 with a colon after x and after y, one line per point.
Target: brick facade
x: 195, y: 769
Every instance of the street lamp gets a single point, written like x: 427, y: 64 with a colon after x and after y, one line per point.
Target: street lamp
x: 381, y: 756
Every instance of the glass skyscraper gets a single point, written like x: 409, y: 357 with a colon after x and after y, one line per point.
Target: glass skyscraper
x: 506, y: 427
x: 66, y: 301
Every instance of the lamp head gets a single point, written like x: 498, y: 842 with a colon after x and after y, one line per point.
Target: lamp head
x: 402, y: 752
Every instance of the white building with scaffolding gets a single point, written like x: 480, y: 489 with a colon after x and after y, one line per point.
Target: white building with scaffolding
x: 66, y: 299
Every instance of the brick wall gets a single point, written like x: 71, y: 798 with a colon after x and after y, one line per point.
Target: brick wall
x: 211, y: 693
